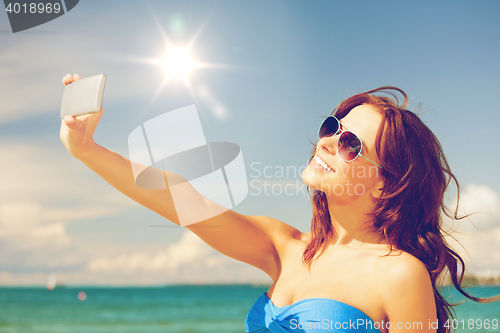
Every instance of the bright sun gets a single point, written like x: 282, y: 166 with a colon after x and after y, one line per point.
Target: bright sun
x: 178, y: 63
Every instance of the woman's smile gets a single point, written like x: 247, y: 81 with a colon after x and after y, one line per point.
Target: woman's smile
x: 319, y: 163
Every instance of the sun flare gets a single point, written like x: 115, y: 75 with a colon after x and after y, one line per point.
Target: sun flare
x: 177, y: 63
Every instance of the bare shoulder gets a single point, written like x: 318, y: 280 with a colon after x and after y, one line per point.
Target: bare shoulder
x: 406, y: 290
x: 403, y: 271
x: 404, y: 266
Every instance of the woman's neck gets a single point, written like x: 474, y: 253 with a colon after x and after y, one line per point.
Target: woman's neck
x: 351, y: 222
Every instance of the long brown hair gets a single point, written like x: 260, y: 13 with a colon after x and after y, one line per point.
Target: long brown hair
x: 409, y: 211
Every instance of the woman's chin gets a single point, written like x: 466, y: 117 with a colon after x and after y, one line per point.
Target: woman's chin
x: 308, y: 176
x: 315, y: 177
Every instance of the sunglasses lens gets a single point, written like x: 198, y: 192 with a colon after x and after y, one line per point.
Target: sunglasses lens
x: 349, y: 146
x: 329, y: 127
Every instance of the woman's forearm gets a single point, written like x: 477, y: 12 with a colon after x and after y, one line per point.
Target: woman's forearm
x: 117, y: 171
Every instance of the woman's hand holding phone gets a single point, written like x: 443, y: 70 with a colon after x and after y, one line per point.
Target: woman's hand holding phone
x: 77, y: 131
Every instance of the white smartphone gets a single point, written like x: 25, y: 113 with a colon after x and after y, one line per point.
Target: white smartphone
x: 83, y: 96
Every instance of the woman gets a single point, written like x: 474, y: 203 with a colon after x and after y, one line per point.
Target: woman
x: 371, y: 262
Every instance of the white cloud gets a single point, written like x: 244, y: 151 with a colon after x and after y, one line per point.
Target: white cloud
x: 32, y: 225
x: 38, y: 197
x: 30, y: 76
x: 190, y: 250
x: 479, y: 235
x: 43, y: 190
x: 189, y: 260
x: 31, y: 72
x: 36, y: 174
x: 16, y: 216
x: 484, y: 203
x: 22, y: 279
x: 35, y: 237
x: 34, y: 240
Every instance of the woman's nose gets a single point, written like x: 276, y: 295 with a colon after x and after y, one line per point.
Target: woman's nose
x: 329, y: 144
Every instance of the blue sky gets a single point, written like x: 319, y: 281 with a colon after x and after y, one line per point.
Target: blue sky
x: 277, y: 68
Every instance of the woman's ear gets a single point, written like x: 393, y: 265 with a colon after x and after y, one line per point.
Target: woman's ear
x: 377, y: 189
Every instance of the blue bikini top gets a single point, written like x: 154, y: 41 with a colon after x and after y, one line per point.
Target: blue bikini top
x: 313, y: 315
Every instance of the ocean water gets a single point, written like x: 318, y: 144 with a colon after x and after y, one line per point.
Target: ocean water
x: 178, y: 309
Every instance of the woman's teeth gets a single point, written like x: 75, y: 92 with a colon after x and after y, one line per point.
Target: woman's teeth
x: 322, y: 163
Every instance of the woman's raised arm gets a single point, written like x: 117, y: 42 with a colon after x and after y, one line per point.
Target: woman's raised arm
x: 257, y: 240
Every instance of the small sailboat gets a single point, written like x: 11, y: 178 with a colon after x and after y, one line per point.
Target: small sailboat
x: 51, y: 281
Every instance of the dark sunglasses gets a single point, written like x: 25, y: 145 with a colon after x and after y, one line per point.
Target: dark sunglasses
x: 349, y: 144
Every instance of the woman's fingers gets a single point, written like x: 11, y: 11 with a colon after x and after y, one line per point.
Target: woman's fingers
x: 68, y: 79
x: 69, y: 119
x: 89, y: 119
